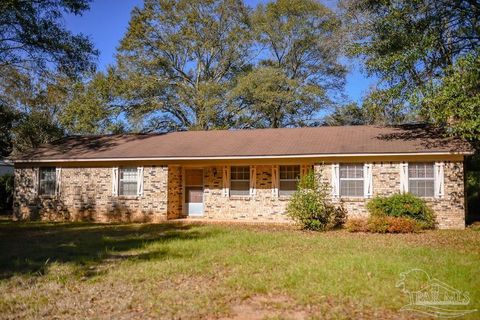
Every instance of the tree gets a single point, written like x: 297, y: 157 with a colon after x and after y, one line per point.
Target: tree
x: 347, y: 115
x: 38, y: 59
x: 177, y: 61
x: 32, y: 37
x: 410, y: 44
x: 455, y: 101
x: 299, y: 67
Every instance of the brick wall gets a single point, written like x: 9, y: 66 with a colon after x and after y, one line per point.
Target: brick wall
x: 86, y: 194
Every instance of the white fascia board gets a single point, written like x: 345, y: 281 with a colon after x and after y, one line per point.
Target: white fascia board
x: 323, y: 155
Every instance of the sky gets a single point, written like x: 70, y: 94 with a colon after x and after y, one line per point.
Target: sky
x: 107, y: 20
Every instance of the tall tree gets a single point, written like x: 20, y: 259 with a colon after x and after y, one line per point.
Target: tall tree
x: 32, y: 37
x: 299, y: 66
x: 37, y: 55
x: 177, y: 61
x: 409, y: 44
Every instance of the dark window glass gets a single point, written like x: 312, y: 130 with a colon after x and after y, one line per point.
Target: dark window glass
x: 47, y: 182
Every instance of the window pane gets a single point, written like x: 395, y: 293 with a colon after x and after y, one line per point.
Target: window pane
x: 351, y: 180
x: 351, y: 188
x: 421, y: 179
x: 421, y: 188
x: 46, y: 185
x: 240, y: 187
x: 240, y: 173
x: 127, y: 181
x: 287, y: 187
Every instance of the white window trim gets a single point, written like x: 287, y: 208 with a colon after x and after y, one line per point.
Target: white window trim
x: 275, y: 180
x: 116, y: 182
x: 36, y: 182
x: 368, y: 180
x: 249, y: 182
x: 336, y: 180
x: 226, y: 181
x: 301, y: 173
x: 438, y: 179
x: 253, y: 180
x: 351, y: 179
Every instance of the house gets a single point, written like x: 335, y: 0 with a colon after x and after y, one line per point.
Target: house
x: 237, y: 174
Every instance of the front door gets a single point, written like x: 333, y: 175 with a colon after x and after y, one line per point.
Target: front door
x: 194, y: 192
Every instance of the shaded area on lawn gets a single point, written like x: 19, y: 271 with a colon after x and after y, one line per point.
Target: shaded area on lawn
x: 30, y: 247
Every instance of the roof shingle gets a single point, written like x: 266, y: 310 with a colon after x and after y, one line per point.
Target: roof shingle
x: 251, y: 143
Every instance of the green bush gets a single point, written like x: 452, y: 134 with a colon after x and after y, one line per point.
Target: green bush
x: 6, y: 192
x: 404, y: 205
x: 311, y: 208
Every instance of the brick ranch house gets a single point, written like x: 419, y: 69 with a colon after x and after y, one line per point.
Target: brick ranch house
x: 237, y: 175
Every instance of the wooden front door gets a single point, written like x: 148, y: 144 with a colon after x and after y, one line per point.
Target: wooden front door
x: 194, y: 192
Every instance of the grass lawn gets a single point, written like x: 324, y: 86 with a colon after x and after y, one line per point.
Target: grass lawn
x: 80, y: 270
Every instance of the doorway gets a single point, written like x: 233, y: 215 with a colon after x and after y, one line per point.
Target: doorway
x: 194, y: 192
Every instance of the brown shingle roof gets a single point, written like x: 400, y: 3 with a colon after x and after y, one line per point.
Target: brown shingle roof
x: 251, y: 143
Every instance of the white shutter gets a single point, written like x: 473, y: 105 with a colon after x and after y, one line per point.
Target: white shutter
x: 368, y: 180
x: 140, y: 181
x: 275, y: 181
x: 58, y: 179
x: 226, y: 181
x: 335, y: 180
x: 253, y: 180
x: 439, y: 180
x: 115, y: 181
x: 36, y: 180
x: 403, y: 177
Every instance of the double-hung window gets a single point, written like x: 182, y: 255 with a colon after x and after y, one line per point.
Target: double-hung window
x: 289, y: 176
x: 351, y: 180
x: 127, y: 181
x: 47, y: 181
x: 421, y: 179
x: 240, y: 180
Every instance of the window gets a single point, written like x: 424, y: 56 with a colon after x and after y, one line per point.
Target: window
x: 421, y: 179
x: 289, y: 176
x: 127, y: 181
x: 47, y: 181
x: 240, y: 181
x: 351, y: 180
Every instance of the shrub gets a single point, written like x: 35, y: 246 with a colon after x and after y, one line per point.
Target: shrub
x: 356, y: 225
x: 6, y: 192
x: 311, y: 208
x: 402, y: 205
x: 383, y: 224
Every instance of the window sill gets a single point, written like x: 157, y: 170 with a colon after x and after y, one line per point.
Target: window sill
x: 239, y: 197
x: 352, y: 199
x: 47, y: 197
x: 128, y: 197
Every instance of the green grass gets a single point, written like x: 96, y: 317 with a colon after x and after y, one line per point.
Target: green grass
x: 80, y: 270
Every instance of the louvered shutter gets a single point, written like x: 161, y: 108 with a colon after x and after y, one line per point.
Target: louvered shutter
x: 140, y: 181
x: 253, y: 180
x: 403, y: 177
x: 58, y: 180
x: 226, y: 181
x: 275, y: 181
x: 368, y: 180
x: 335, y: 180
x: 115, y: 181
x: 439, y: 180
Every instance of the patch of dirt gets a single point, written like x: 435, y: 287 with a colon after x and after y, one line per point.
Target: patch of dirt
x: 283, y: 307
